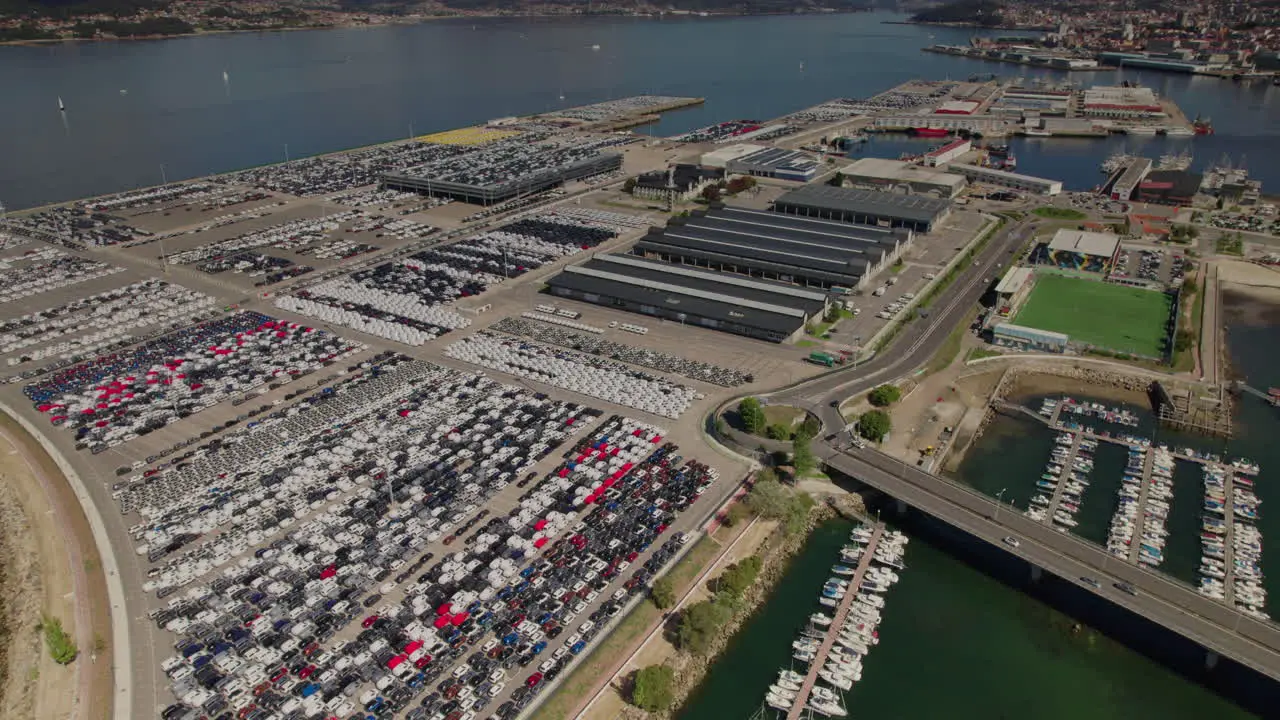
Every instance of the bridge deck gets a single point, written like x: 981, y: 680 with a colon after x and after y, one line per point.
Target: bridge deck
x: 833, y: 630
x: 1067, y: 468
x: 1148, y: 465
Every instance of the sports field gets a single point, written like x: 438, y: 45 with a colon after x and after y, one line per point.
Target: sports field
x: 1097, y: 313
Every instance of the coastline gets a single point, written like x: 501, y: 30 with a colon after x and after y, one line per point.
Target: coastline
x: 396, y: 20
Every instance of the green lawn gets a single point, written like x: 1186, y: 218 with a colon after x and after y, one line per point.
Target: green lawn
x: 1101, y: 314
x: 1056, y: 213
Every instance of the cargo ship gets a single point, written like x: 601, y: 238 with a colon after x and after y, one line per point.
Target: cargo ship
x: 930, y: 132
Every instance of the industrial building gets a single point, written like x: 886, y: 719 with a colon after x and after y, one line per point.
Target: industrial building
x: 948, y: 152
x: 1121, y: 103
x: 866, y: 207
x: 524, y: 176
x: 1083, y: 250
x: 904, y: 177
x: 1019, y: 337
x: 775, y: 163
x: 952, y: 123
x: 773, y: 246
x: 756, y: 308
x: 1130, y: 178
x: 1169, y: 187
x: 957, y: 107
x: 685, y: 181
x: 721, y: 157
x: 1003, y: 178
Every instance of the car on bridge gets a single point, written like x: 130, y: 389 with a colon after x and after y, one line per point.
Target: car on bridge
x: 1127, y: 588
x: 1091, y: 582
x: 1010, y: 540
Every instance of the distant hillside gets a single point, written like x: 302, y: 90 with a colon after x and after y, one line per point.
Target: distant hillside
x: 62, y: 9
x: 986, y: 13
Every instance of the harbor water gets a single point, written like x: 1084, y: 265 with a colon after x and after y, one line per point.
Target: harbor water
x: 954, y: 643
x: 186, y: 107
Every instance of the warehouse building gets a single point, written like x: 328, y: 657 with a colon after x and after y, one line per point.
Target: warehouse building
x: 1083, y: 250
x: 549, y: 173
x: 1018, y: 337
x: 1121, y: 103
x: 866, y: 207
x: 1169, y: 187
x: 1013, y: 288
x: 756, y: 308
x: 881, y: 174
x: 775, y: 163
x: 721, y: 157
x: 772, y: 246
x: 1130, y: 178
x: 1004, y: 178
x: 948, y: 152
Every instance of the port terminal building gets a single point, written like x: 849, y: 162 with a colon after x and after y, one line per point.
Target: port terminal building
x: 1083, y: 250
x: 948, y: 152
x: 902, y: 177
x: 1003, y: 178
x: 753, y: 307
x: 762, y: 161
x: 808, y: 252
x: 685, y: 180
x: 1018, y: 337
x: 482, y: 191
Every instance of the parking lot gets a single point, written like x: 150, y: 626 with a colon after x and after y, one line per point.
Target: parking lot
x: 1159, y: 265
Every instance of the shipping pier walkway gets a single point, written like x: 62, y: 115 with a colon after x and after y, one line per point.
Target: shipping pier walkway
x: 1063, y: 478
x: 1144, y: 492
x: 833, y: 630
x: 1229, y: 540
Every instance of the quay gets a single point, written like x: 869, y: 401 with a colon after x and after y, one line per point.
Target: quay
x: 1063, y: 478
x: 1148, y: 467
x: 833, y: 630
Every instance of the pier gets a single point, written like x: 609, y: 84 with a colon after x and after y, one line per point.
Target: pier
x: 833, y: 630
x: 1229, y: 540
x: 1063, y: 478
x: 1148, y: 466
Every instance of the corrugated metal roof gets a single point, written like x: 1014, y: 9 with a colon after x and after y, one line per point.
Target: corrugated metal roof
x: 1014, y: 280
x: 847, y: 276
x: 633, y: 263
x: 1029, y: 333
x: 1084, y: 242
x: 867, y: 202
x: 682, y: 290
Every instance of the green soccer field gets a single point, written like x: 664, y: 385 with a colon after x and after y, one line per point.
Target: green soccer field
x: 1097, y: 313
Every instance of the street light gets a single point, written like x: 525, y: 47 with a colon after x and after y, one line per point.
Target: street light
x: 999, y: 501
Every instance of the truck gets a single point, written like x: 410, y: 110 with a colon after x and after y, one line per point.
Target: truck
x: 821, y: 358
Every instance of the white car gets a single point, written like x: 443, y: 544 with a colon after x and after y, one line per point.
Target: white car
x: 1011, y: 541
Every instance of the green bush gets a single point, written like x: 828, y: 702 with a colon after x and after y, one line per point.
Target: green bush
x: 652, y: 691
x: 699, y: 624
x: 739, y: 576
x: 777, y: 431
x: 61, y: 647
x: 885, y: 395
x: 874, y: 425
x: 802, y: 455
x: 663, y: 593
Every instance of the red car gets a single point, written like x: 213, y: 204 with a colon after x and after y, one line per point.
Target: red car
x: 279, y: 675
x: 533, y: 680
x: 305, y: 672
x: 369, y: 621
x: 422, y: 662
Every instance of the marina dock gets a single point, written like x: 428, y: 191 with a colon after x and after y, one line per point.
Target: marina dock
x: 1144, y: 494
x: 1058, y: 491
x: 1229, y: 556
x: 833, y: 630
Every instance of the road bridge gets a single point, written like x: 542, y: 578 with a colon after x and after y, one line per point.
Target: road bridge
x: 1177, y: 607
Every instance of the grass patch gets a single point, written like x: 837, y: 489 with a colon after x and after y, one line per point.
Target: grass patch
x: 784, y: 415
x: 566, y: 697
x: 1185, y: 361
x: 806, y: 343
x: 951, y: 348
x: 1230, y: 245
x: 979, y: 353
x: 1057, y: 213
x: 1117, y: 317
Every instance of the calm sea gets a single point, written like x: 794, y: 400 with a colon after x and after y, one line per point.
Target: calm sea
x: 133, y: 107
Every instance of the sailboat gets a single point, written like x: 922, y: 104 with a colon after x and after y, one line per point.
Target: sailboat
x: 61, y: 107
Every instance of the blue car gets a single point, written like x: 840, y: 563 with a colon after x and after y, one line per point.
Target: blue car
x: 539, y: 646
x: 578, y: 646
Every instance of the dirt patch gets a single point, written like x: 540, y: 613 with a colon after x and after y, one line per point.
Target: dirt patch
x: 21, y: 589
x: 70, y: 586
x: 1029, y: 384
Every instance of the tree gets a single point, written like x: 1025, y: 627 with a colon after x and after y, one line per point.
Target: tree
x: 663, y: 593
x: 810, y: 427
x: 739, y: 576
x: 699, y: 624
x: 61, y: 648
x: 802, y: 455
x: 736, y: 513
x: 629, y: 185
x: 777, y: 431
x: 711, y: 193
x: 752, y: 415
x: 874, y: 425
x: 653, y: 688
x: 768, y: 498
x: 885, y: 395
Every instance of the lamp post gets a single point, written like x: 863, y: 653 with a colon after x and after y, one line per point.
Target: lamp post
x: 999, y: 501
